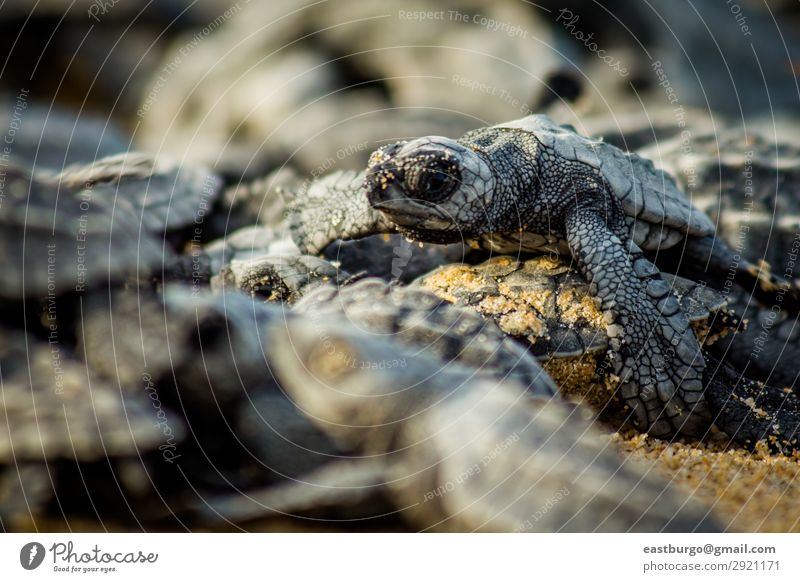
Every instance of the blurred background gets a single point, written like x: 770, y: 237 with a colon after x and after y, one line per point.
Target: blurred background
x: 247, y: 87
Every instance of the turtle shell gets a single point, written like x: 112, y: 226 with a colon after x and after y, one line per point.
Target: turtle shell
x: 749, y: 184
x: 439, y: 423
x: 165, y: 194
x: 545, y: 303
x: 417, y: 318
x: 645, y: 192
x: 55, y: 241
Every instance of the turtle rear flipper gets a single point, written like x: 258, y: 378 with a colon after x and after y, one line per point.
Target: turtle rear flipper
x: 711, y: 260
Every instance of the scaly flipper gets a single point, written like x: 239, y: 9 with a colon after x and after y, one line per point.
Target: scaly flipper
x: 656, y: 353
x: 331, y: 208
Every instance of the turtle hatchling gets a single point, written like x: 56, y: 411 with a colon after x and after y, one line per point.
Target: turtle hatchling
x: 418, y: 319
x: 438, y: 424
x: 547, y: 304
x: 55, y: 241
x: 749, y: 183
x: 74, y: 444
x: 532, y: 185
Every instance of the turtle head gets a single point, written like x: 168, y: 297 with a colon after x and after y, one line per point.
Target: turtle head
x: 431, y: 188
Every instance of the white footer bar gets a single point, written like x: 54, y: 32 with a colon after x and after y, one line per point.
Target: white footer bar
x: 401, y: 557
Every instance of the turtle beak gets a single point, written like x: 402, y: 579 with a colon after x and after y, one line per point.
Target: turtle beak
x: 409, y: 212
x: 386, y: 196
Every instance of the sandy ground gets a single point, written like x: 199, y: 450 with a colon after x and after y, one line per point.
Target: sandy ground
x: 748, y: 492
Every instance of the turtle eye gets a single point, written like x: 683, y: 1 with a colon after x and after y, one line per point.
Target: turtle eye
x: 436, y: 182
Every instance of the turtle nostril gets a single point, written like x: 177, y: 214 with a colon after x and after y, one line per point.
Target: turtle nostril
x: 380, y: 189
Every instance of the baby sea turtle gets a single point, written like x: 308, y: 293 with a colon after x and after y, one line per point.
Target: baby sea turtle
x: 211, y: 361
x: 549, y: 305
x: 421, y: 321
x: 101, y: 222
x: 71, y: 442
x: 71, y: 240
x: 531, y: 185
x: 446, y: 449
x: 166, y: 195
x: 465, y: 452
x: 205, y: 356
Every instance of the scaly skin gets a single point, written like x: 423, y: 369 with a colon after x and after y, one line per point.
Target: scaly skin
x: 654, y: 350
x: 330, y: 208
x: 530, y: 185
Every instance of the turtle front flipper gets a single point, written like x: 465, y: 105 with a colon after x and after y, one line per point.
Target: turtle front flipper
x: 655, y: 352
x: 331, y: 208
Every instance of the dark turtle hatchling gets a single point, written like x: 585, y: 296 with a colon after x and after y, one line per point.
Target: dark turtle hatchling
x: 172, y: 201
x: 211, y: 359
x: 58, y: 241
x: 531, y: 185
x: 167, y: 196
x: 340, y: 487
x: 448, y: 450
x: 101, y: 222
x: 205, y: 355
x: 74, y: 444
x: 545, y: 303
x: 164, y: 198
x: 750, y: 186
